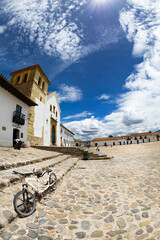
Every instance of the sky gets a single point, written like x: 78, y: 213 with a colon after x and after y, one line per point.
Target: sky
x: 102, y: 58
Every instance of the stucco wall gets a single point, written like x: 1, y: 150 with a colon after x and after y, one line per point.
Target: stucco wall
x: 51, y: 100
x: 124, y: 141
x: 39, y: 118
x: 67, y: 138
x: 8, y: 104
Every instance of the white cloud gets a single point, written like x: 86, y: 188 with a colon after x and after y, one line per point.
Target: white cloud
x: 51, y: 25
x: 138, y: 109
x: 79, y: 115
x: 2, y: 29
x: 69, y: 94
x: 87, y: 128
x: 103, y: 97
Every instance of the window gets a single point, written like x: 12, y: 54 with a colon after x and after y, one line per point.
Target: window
x: 39, y: 81
x: 56, y: 114
x: 25, y: 77
x: 54, y: 109
x: 21, y: 135
x: 18, y: 108
x: 41, y: 99
x: 18, y: 79
x: 61, y: 130
x: 51, y: 108
x: 43, y: 86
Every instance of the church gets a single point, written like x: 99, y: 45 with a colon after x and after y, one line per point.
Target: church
x: 43, y: 118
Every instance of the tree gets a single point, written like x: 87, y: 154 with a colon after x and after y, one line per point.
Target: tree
x: 110, y: 136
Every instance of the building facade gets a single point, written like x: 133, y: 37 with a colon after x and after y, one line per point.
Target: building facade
x: 44, y: 119
x: 14, y: 109
x: 67, y: 137
x: 134, y: 138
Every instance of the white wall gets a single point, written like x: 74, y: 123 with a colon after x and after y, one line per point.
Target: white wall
x: 149, y: 138
x: 51, y: 100
x: 8, y: 104
x: 67, y: 138
x: 39, y: 118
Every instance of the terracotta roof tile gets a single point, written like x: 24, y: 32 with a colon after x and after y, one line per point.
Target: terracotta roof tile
x: 106, y: 139
x: 155, y: 133
x: 140, y: 134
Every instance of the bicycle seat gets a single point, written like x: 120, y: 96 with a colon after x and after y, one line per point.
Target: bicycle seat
x: 38, y: 174
x: 48, y: 170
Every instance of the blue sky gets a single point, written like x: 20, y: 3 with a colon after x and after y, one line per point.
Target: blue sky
x: 101, y: 56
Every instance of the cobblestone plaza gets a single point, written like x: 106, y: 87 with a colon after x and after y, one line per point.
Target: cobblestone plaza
x: 104, y: 199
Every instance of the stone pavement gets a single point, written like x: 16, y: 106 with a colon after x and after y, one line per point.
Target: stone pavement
x: 10, y: 157
x: 111, y: 199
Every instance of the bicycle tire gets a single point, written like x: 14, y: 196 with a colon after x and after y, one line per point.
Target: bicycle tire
x: 53, y: 181
x: 28, y: 203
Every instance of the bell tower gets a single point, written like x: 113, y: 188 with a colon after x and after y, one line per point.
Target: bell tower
x: 33, y: 82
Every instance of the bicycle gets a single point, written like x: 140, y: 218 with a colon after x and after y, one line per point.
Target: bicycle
x: 25, y: 201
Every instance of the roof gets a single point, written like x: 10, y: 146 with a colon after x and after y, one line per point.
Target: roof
x: 67, y: 129
x: 155, y: 133
x: 4, y: 83
x: 121, y: 137
x: 76, y: 140
x: 106, y: 139
x: 140, y: 134
x: 30, y: 68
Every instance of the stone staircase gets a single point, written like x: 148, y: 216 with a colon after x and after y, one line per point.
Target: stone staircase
x: 76, y: 152
x: 10, y: 184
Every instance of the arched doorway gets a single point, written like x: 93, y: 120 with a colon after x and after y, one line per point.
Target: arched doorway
x: 15, y: 135
x: 53, y: 135
x: 53, y: 132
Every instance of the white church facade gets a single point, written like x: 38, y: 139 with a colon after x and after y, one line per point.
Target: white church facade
x: 43, y: 117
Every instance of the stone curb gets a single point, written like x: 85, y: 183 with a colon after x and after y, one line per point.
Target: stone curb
x: 27, y: 162
x: 9, y: 216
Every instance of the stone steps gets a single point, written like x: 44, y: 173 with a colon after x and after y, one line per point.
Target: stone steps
x: 100, y: 157
x: 7, y: 178
x: 7, y: 212
x: 22, y: 162
x: 75, y: 151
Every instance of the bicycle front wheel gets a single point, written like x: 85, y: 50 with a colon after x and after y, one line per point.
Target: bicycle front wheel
x: 53, y: 181
x: 24, y: 203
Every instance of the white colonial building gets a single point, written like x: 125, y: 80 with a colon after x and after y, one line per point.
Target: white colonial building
x: 27, y: 94
x: 134, y: 138
x: 67, y: 137
x: 14, y: 113
x: 44, y: 119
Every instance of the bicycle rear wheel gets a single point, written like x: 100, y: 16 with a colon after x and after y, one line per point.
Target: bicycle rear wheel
x: 24, y: 203
x: 53, y: 181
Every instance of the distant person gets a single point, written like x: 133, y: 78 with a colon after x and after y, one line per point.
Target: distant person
x: 97, y: 149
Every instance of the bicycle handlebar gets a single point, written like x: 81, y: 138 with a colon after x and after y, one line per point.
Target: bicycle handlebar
x: 38, y: 173
x: 22, y: 174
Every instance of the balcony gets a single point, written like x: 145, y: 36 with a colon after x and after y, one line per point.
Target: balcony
x: 18, y: 118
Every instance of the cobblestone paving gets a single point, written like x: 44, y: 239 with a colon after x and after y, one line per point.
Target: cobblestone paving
x: 11, y: 156
x: 114, y: 199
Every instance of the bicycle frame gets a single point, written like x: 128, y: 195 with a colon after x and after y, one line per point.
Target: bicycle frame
x: 35, y: 184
